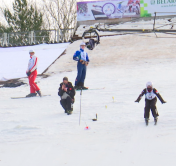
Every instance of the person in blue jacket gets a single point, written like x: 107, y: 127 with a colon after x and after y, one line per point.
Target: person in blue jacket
x: 83, y: 60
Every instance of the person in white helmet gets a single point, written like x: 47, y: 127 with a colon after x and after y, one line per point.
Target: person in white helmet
x: 151, y: 95
x: 32, y: 74
x: 82, y: 57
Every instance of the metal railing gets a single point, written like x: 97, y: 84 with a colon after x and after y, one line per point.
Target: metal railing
x: 156, y: 26
x: 36, y: 37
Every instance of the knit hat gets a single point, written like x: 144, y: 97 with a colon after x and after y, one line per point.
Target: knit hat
x: 65, y: 78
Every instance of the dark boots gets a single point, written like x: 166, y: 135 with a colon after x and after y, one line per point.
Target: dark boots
x: 67, y: 104
x: 77, y: 87
x: 155, y: 121
x: 32, y: 95
x: 80, y: 86
x: 146, y: 121
x: 69, y: 112
x: 39, y: 93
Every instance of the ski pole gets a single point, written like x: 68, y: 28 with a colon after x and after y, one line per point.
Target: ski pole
x: 80, y: 107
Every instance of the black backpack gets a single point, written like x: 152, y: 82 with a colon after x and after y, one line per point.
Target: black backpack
x: 91, y: 44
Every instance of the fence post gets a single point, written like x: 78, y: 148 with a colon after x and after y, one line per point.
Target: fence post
x: 58, y: 35
x: 154, y: 22
x: 8, y: 39
x: 32, y: 37
x: 61, y: 35
x: 4, y: 39
x: 34, y: 34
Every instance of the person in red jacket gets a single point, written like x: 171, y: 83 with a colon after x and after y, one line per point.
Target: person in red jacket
x: 32, y: 74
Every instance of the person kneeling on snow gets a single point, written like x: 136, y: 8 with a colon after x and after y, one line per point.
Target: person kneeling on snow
x: 67, y: 93
x: 150, y: 101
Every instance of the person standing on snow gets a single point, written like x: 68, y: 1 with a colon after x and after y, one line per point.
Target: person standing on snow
x: 82, y: 57
x: 32, y: 74
x: 67, y: 93
x: 151, y: 95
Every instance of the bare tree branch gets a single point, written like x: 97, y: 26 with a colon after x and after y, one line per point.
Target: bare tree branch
x: 63, y: 14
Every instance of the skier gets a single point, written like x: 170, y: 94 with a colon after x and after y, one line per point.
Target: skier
x: 32, y: 74
x: 150, y: 101
x: 82, y: 57
x: 67, y: 93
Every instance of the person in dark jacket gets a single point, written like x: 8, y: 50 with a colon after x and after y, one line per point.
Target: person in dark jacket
x: 151, y: 95
x: 67, y: 93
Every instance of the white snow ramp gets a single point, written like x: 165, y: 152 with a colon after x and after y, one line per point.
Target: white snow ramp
x: 14, y: 61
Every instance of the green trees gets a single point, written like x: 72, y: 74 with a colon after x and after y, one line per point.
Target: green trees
x: 2, y: 28
x: 25, y: 23
x: 23, y: 17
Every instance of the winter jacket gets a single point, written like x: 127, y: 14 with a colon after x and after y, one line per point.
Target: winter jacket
x: 70, y: 90
x: 150, y: 95
x: 32, y: 65
x: 81, y: 55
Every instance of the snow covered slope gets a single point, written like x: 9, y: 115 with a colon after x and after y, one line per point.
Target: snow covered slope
x: 36, y: 132
x: 14, y: 61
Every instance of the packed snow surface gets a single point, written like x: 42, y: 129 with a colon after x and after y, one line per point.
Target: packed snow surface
x: 14, y: 60
x: 37, y: 132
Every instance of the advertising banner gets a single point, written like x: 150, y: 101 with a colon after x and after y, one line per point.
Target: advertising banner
x: 149, y: 7
x: 97, y: 10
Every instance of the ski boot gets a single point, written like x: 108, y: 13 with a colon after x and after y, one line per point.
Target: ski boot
x: 83, y: 87
x: 69, y: 112
x: 31, y: 95
x: 71, y: 107
x: 77, y: 87
x: 146, y: 121
x: 155, y: 120
x: 39, y: 93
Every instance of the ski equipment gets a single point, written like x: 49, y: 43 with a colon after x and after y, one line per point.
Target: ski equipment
x: 80, y: 107
x: 28, y: 97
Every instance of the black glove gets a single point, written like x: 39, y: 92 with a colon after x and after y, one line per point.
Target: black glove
x: 137, y: 101
x: 164, y: 102
x: 28, y: 73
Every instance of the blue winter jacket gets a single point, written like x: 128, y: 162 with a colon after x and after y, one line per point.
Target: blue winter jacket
x: 77, y: 55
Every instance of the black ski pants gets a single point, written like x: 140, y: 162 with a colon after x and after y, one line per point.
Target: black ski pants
x: 150, y: 105
x: 66, y: 103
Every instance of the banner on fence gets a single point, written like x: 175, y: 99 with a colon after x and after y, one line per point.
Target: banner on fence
x: 102, y: 10
x: 149, y: 7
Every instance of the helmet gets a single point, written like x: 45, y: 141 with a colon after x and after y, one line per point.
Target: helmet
x: 149, y: 84
x: 30, y: 51
x: 82, y: 44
